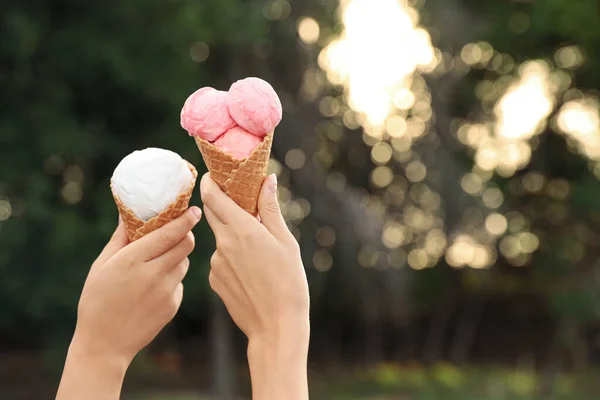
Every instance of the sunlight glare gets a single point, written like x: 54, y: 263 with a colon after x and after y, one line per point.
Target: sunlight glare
x: 376, y: 55
x: 579, y: 120
x: 526, y: 105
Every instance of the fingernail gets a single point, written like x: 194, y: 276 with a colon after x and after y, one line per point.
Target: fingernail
x: 272, y: 185
x: 197, y: 213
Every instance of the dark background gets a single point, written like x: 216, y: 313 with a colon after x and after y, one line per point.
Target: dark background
x: 438, y: 161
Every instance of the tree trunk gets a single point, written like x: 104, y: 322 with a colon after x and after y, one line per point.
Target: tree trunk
x: 465, y: 332
x: 223, y: 357
x: 438, y: 327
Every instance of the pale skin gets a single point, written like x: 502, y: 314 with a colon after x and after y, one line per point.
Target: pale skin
x: 258, y: 273
x: 132, y: 291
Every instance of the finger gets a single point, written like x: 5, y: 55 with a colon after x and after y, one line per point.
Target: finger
x: 175, y: 255
x: 224, y: 276
x: 117, y: 242
x: 166, y: 237
x: 214, y: 283
x: 220, y: 204
x: 219, y: 268
x: 217, y: 285
x: 270, y: 212
x: 228, y: 295
x: 177, y: 298
x: 178, y: 273
x: 214, y: 222
x: 217, y: 261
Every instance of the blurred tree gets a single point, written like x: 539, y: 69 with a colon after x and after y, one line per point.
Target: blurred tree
x: 451, y: 185
x: 83, y: 84
x: 565, y: 222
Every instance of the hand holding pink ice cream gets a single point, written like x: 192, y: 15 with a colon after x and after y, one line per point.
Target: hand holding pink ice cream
x: 234, y: 121
x: 234, y: 133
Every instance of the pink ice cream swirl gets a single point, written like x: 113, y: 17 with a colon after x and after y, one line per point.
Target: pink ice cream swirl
x: 238, y: 143
x: 234, y: 121
x: 254, y: 106
x: 205, y: 114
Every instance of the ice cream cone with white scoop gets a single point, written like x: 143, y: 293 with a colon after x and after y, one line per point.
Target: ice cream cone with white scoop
x: 152, y: 187
x: 234, y: 132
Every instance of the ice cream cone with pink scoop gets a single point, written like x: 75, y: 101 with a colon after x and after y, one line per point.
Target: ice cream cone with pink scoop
x: 234, y: 132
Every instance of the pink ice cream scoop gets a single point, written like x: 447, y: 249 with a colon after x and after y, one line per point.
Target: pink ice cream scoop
x: 238, y: 143
x: 205, y: 114
x: 254, y: 106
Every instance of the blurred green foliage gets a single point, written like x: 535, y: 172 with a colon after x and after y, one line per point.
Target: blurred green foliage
x: 448, y: 382
x: 83, y: 84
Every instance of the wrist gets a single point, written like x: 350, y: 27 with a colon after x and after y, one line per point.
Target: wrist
x: 278, y: 361
x: 91, y: 374
x: 292, y: 330
x: 86, y: 354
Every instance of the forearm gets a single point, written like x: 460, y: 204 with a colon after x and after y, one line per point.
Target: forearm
x: 91, y: 376
x: 278, y: 364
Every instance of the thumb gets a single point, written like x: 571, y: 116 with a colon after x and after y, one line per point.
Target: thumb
x: 269, y: 210
x: 117, y: 242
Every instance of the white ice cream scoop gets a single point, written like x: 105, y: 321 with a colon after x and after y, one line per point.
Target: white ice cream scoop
x: 148, y: 181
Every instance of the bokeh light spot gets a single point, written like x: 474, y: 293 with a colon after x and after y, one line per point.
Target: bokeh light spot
x: 416, y: 171
x: 295, y: 158
x: 496, y: 224
x: 382, y: 177
x: 528, y: 242
x: 394, y: 235
x: 329, y: 106
x: 5, y: 210
x: 277, y: 10
x: 73, y: 173
x: 368, y: 256
x: 396, y: 126
x: 72, y: 192
x: 558, y: 189
x: 381, y: 153
x: 569, y: 57
x: 533, y: 182
x: 509, y: 246
x: 325, y: 236
x: 322, y: 260
x: 525, y: 106
x: 274, y: 167
x: 199, y: 52
x: 579, y: 120
x: 471, y: 183
x: 492, y: 197
x: 418, y: 259
x: 516, y: 221
x: 308, y: 30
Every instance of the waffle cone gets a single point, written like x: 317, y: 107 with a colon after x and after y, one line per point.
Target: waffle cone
x: 137, y: 228
x: 241, y: 180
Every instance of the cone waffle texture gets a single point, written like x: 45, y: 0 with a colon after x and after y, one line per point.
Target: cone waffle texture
x: 241, y: 180
x: 137, y: 228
